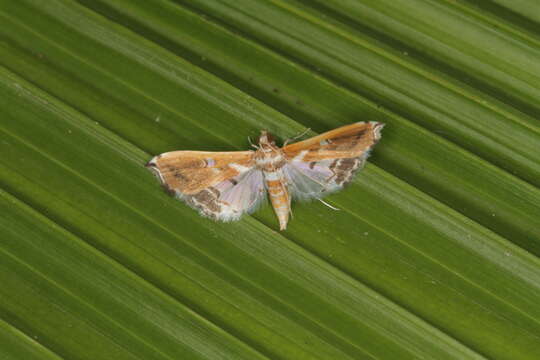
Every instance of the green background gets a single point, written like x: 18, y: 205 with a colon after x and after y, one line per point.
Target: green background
x: 433, y: 255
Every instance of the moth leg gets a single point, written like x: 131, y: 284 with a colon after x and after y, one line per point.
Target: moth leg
x: 327, y: 204
x: 252, y: 144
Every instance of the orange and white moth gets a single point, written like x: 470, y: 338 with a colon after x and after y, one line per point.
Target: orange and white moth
x: 225, y: 185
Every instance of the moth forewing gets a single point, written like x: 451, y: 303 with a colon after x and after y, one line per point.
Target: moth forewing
x: 189, y: 172
x: 346, y: 141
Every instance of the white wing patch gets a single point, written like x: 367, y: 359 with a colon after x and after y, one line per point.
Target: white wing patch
x: 229, y: 199
x: 316, y: 179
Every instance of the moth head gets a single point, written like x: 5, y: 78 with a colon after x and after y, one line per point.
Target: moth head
x: 266, y: 140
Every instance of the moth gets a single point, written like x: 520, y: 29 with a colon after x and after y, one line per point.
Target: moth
x: 225, y: 185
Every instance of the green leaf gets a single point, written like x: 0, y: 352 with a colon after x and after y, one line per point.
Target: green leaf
x: 433, y: 254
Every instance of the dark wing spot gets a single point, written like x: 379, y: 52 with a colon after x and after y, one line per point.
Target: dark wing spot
x: 168, y: 190
x: 344, y: 170
x: 312, y: 164
x: 207, y: 199
x: 214, y: 191
x: 360, y: 134
x: 333, y: 165
x: 346, y: 164
x: 180, y: 176
x: 233, y: 181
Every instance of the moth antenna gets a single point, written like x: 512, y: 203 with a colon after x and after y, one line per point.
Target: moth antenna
x: 252, y: 145
x: 327, y: 204
x: 297, y: 136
